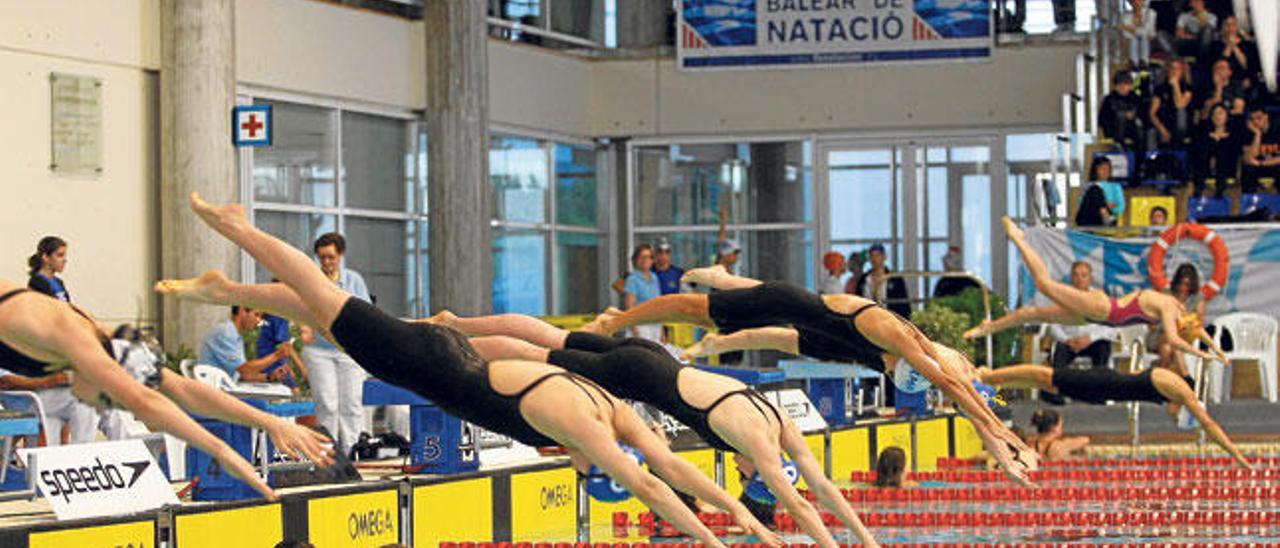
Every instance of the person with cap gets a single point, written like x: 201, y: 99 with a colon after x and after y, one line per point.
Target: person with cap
x: 875, y: 284
x: 727, y: 249
x: 668, y: 274
x: 953, y: 261
x: 832, y: 282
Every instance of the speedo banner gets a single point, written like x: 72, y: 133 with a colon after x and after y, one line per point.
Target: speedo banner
x: 723, y: 34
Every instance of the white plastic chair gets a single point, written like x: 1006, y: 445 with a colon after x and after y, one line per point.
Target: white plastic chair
x: 1253, y: 337
x: 213, y: 377
x: 185, y: 367
x: 1126, y: 337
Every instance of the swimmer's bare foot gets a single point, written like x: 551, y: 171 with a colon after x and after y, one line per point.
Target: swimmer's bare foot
x: 443, y: 318
x: 225, y: 219
x: 601, y: 324
x: 980, y: 330
x: 701, y: 349
x: 983, y: 372
x: 710, y: 276
x: 1011, y: 228
x: 211, y: 287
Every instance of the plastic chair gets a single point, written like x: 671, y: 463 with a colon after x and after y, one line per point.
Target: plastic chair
x: 1253, y: 337
x: 22, y: 401
x: 1199, y: 207
x: 1253, y: 202
x: 213, y: 377
x: 185, y: 367
x: 1126, y: 337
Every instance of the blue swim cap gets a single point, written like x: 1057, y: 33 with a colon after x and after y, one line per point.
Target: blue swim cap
x: 602, y: 488
x: 989, y: 394
x: 757, y: 490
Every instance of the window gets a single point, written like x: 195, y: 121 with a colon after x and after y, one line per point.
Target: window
x: 565, y: 24
x: 765, y: 189
x: 548, y: 247
x: 359, y: 174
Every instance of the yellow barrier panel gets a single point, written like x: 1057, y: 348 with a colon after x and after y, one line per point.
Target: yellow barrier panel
x: 360, y: 520
x: 138, y: 534
x: 931, y: 443
x: 544, y: 506
x: 850, y: 452
x: 894, y: 435
x: 251, y: 527
x: 704, y: 459
x: 452, y: 511
x: 968, y: 444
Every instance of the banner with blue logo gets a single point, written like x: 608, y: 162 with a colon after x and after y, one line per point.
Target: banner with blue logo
x: 725, y: 34
x: 1120, y: 264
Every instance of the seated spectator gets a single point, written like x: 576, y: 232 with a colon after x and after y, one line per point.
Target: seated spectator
x: 223, y: 347
x: 1049, y: 441
x: 1234, y: 47
x: 1221, y: 89
x: 1158, y: 216
x: 61, y: 408
x: 1214, y: 155
x: 1139, y: 27
x: 1118, y: 117
x: 1089, y: 339
x: 1170, y: 112
x: 953, y: 261
x: 1195, y: 30
x: 1103, y: 201
x: 832, y: 281
x: 891, y: 469
x: 1261, y: 160
x: 272, y: 335
x: 668, y: 274
x: 875, y: 284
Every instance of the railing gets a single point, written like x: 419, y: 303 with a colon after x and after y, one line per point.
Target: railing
x: 1137, y: 352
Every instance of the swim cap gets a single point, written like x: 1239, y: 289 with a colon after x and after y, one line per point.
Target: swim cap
x: 603, y: 488
x: 990, y: 395
x: 907, y: 379
x: 756, y: 490
x: 1189, y: 327
x: 833, y: 261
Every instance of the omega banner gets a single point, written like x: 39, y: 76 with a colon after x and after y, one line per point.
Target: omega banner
x: 99, y: 479
x: 726, y: 34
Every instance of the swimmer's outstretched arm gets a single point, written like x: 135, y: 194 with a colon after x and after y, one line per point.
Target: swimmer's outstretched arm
x: 1174, y: 389
x: 520, y: 326
x: 793, y: 443
x: 784, y: 339
x: 718, y: 277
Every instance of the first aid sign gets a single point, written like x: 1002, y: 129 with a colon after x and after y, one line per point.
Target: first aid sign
x: 251, y: 125
x: 98, y: 479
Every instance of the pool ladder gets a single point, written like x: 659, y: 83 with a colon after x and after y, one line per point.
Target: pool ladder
x: 1137, y: 350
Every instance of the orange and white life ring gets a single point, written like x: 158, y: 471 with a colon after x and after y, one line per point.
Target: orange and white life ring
x: 1221, y: 259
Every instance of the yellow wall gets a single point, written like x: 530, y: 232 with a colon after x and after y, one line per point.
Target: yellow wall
x: 850, y: 451
x: 251, y: 527
x: 451, y: 511
x: 544, y: 505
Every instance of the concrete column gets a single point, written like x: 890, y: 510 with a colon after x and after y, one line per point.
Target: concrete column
x: 777, y: 199
x: 643, y: 23
x: 457, y: 155
x: 197, y: 91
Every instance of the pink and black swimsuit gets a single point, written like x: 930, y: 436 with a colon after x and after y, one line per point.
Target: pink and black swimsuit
x: 1130, y: 314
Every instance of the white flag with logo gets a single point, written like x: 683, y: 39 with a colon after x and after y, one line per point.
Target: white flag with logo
x: 98, y: 479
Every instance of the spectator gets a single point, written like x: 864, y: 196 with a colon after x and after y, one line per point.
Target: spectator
x: 1261, y: 161
x: 1100, y: 205
x: 1118, y: 116
x: 1215, y: 157
x: 272, y: 335
x: 642, y: 285
x: 223, y: 347
x: 855, y: 262
x: 337, y: 383
x: 1195, y: 31
x: 727, y: 249
x: 1170, y: 112
x: 1158, y: 216
x: 1234, y: 47
x: 1050, y: 443
x: 60, y: 407
x: 953, y: 261
x: 1139, y: 27
x: 1064, y: 16
x: 49, y: 260
x: 832, y: 281
x: 668, y: 274
x: 1089, y: 340
x: 1221, y: 89
x: 891, y: 469
x: 1186, y: 288
x: 875, y: 284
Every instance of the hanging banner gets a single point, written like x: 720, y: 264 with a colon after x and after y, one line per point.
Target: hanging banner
x: 1120, y: 264
x: 727, y: 34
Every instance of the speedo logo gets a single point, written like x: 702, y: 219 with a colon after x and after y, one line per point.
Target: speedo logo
x: 66, y: 482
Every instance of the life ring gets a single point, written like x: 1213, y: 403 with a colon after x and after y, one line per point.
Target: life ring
x: 1221, y: 258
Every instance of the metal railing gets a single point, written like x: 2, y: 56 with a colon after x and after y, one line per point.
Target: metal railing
x: 986, y: 298
x: 1137, y: 351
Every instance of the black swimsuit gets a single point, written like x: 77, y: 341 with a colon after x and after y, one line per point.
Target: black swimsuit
x: 824, y: 333
x: 1098, y: 385
x: 640, y: 370
x: 439, y: 364
x: 20, y: 364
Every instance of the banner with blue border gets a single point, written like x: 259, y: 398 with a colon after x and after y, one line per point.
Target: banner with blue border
x: 735, y: 34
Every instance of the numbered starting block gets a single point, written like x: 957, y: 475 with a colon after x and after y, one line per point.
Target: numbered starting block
x: 214, y: 483
x: 439, y: 443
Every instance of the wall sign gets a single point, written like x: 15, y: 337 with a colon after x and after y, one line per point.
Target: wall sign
x: 98, y: 479
x: 75, y: 126
x: 251, y: 125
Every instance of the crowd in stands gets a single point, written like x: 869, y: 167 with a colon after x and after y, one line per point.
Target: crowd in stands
x: 1189, y: 114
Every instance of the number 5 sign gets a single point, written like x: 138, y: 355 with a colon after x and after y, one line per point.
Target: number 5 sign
x: 251, y: 126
